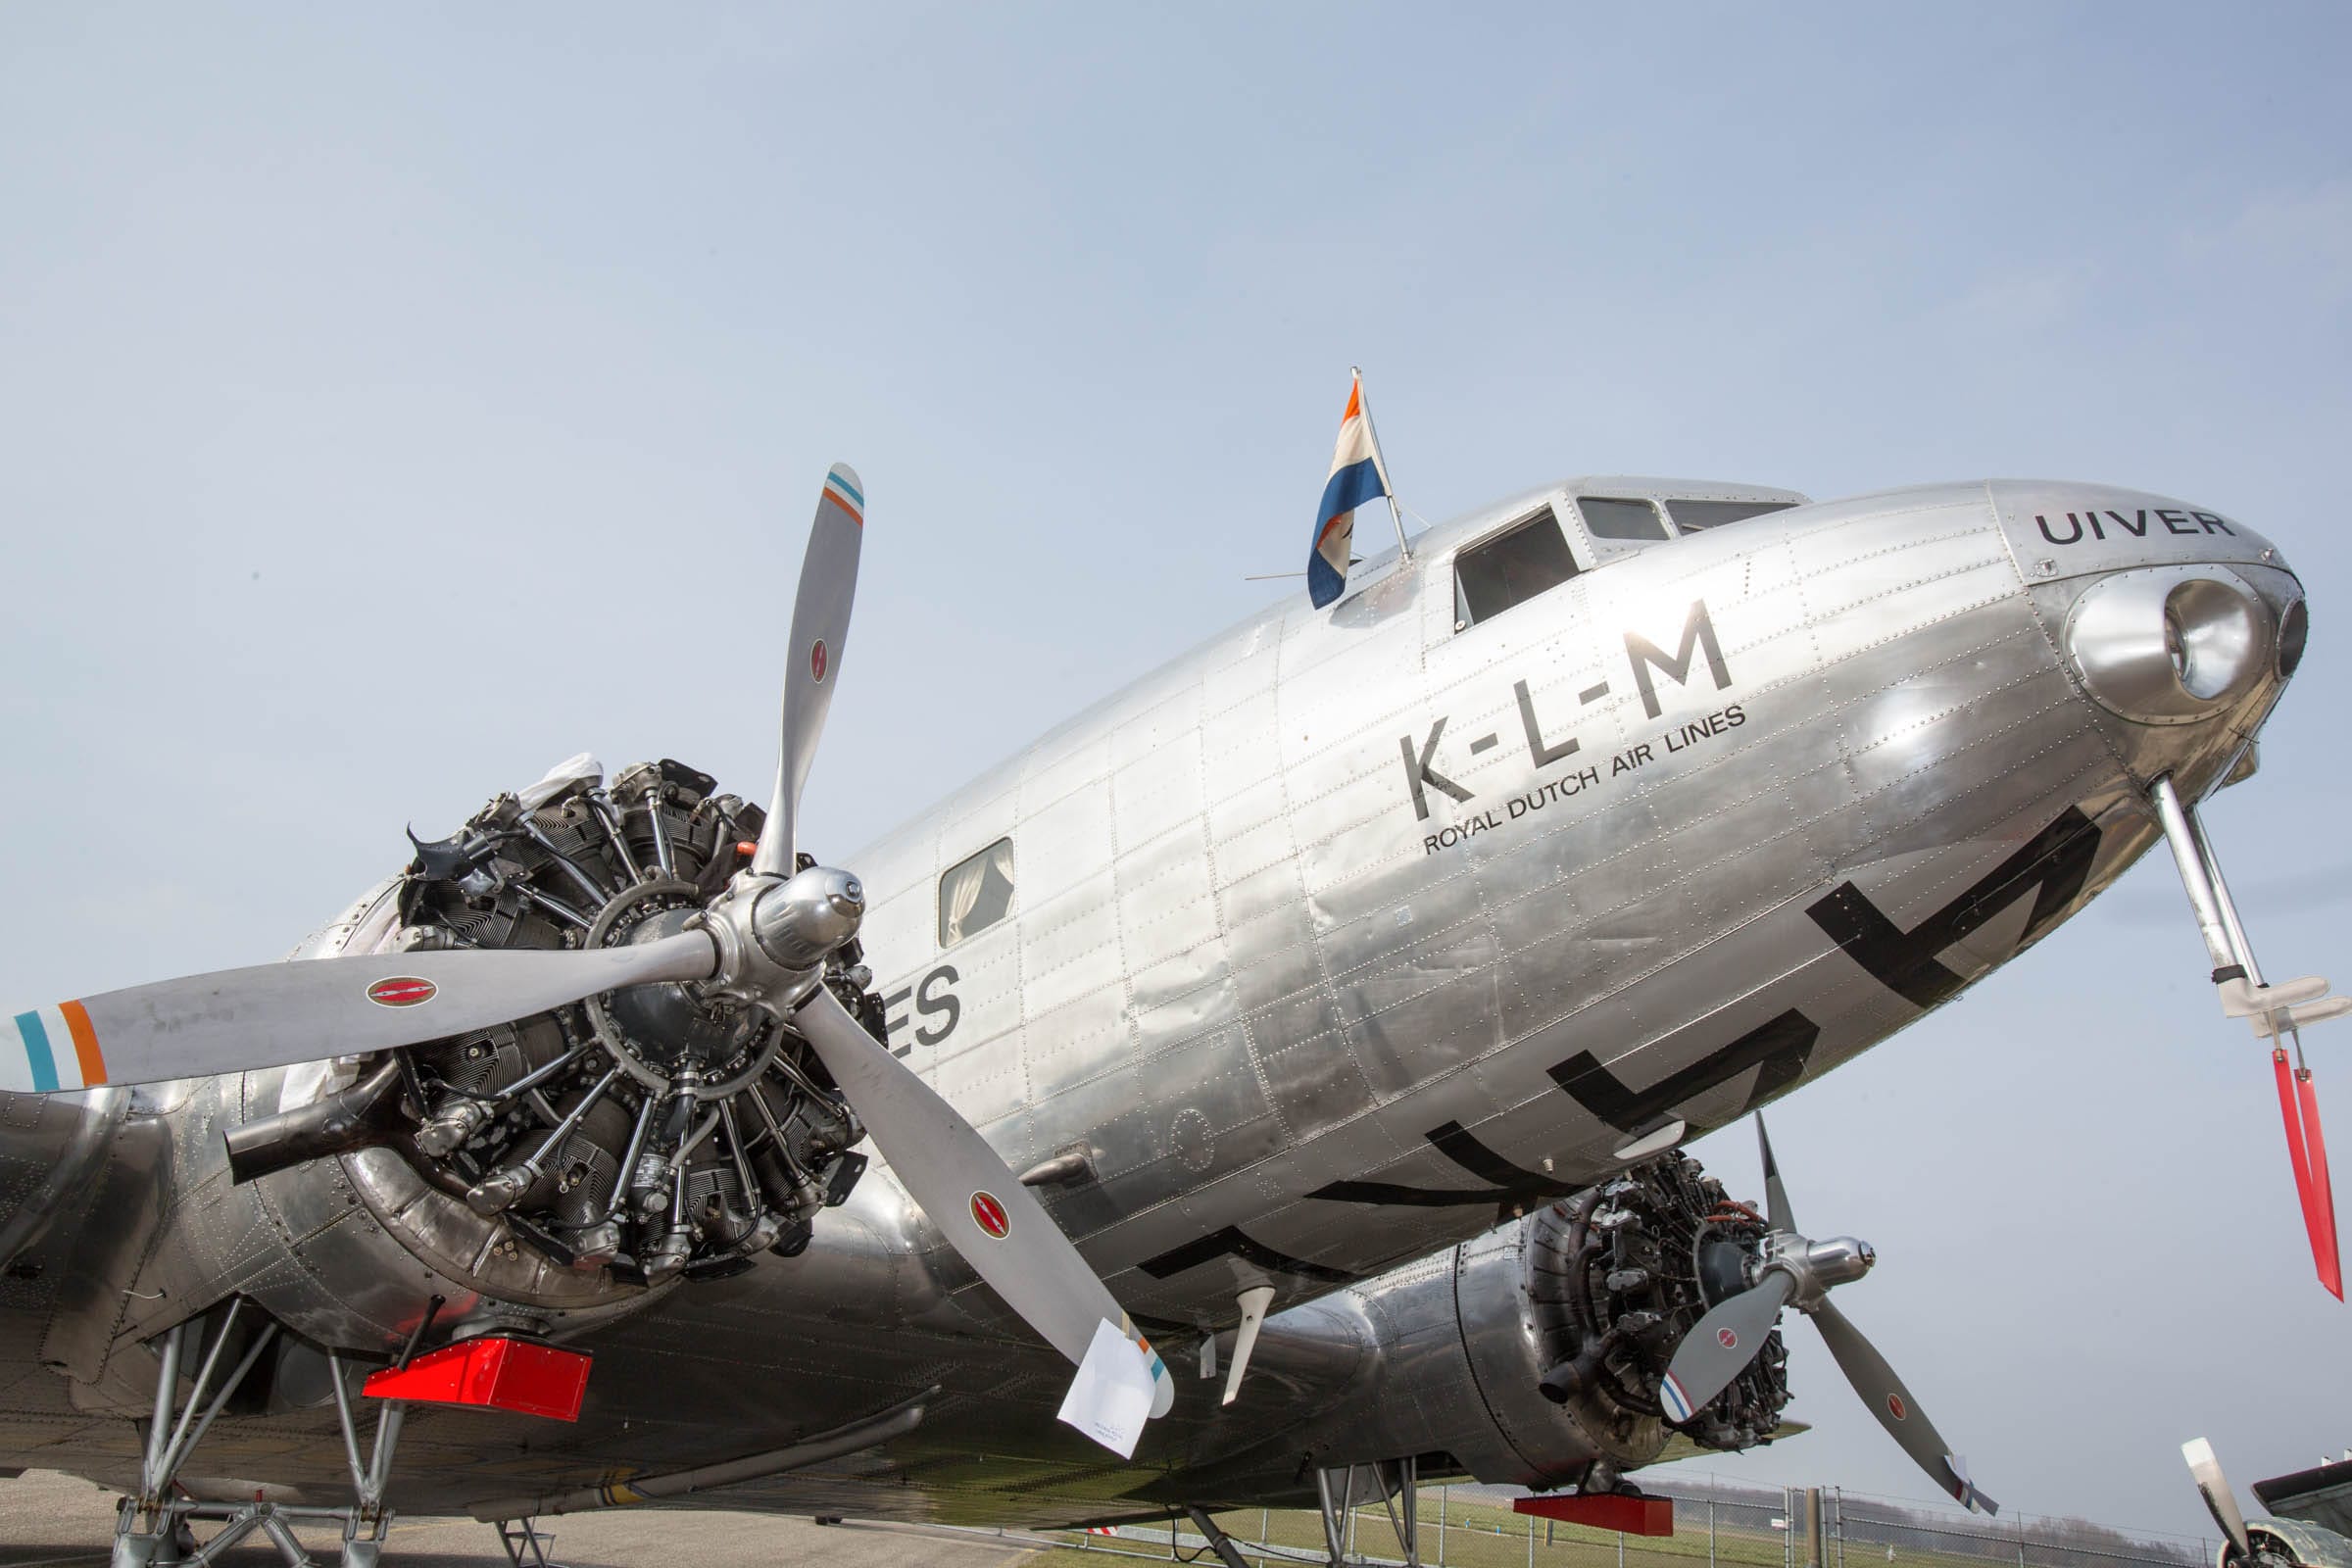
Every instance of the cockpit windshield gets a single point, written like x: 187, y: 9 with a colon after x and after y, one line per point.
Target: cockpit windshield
x: 1695, y: 516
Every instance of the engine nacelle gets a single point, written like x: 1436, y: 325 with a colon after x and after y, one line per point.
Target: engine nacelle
x: 1533, y: 1356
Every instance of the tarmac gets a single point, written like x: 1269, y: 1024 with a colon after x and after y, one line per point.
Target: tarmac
x: 49, y: 1520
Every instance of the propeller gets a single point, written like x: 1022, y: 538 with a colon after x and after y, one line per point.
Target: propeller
x: 273, y: 1015
x: 1000, y: 1228
x: 2220, y: 1501
x: 820, y: 626
x: 1792, y: 1270
x: 764, y: 941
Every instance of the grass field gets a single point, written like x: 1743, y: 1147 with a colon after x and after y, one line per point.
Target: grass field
x: 1481, y: 1531
x: 1478, y: 1533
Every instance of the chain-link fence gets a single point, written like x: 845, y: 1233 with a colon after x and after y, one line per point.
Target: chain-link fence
x: 1724, y: 1527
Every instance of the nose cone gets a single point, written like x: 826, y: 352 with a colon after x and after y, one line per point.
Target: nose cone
x: 800, y: 920
x: 2178, y: 624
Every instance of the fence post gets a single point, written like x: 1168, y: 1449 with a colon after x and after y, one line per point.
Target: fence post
x: 1444, y: 1505
x: 1710, y: 1530
x: 1620, y: 1549
x: 1265, y: 1528
x: 1531, y: 1540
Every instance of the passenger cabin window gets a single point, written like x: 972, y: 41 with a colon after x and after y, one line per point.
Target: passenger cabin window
x: 1696, y: 516
x: 1610, y: 518
x: 976, y: 894
x: 1513, y: 567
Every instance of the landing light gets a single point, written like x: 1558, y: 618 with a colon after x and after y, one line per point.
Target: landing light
x: 2174, y: 645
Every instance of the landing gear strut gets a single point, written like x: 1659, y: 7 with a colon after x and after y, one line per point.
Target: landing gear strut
x: 2277, y: 1013
x: 151, y: 1528
x: 1398, y: 1482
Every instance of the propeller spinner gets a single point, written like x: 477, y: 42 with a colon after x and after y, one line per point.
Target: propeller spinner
x: 764, y: 941
x: 1792, y: 1270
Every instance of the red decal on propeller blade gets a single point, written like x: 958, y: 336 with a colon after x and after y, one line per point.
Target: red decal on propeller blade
x: 990, y: 1215
x: 1897, y: 1409
x: 816, y: 662
x: 401, y: 991
x: 1727, y: 1339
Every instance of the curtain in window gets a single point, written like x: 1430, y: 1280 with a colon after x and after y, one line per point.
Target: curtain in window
x: 959, y: 890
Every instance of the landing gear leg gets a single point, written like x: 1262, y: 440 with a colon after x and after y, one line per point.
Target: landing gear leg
x: 2277, y: 1013
x: 1407, y: 1524
x: 152, y: 1527
x: 525, y: 1543
x: 151, y: 1530
x: 1335, y: 1512
x: 1218, y: 1541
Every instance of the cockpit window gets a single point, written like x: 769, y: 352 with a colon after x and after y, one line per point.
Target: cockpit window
x: 1513, y: 567
x: 1695, y: 516
x: 1609, y: 518
x: 975, y: 894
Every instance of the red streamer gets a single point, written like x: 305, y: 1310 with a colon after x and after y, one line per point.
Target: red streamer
x: 2315, y: 1144
x: 2307, y: 1149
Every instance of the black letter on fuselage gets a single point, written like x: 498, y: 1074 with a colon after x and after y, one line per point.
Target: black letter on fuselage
x: 1417, y: 771
x: 928, y: 1000
x: 1697, y: 632
x: 1544, y: 756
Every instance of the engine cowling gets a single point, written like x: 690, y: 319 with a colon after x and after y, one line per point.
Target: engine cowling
x: 1566, y: 1321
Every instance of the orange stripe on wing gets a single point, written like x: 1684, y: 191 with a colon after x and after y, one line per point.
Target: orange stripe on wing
x: 85, y: 1042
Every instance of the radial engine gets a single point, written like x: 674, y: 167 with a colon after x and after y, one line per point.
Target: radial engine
x: 633, y: 1139
x: 1567, y: 1320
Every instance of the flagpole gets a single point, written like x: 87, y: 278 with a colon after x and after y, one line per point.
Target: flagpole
x: 1405, y: 552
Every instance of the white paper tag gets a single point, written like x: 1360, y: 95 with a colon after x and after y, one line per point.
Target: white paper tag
x: 1110, y: 1397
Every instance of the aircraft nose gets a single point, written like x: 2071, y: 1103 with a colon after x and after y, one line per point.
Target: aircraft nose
x: 2173, y: 645
x: 2180, y: 625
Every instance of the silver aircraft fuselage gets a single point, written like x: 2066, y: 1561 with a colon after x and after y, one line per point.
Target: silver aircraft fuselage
x: 1352, y: 931
x: 1351, y: 926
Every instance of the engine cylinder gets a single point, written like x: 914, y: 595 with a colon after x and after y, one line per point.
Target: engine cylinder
x: 576, y: 1160
x: 1567, y: 1320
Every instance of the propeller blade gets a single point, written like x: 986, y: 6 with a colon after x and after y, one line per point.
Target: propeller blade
x: 1892, y: 1402
x: 273, y: 1014
x: 1719, y: 1345
x: 820, y: 626
x: 2307, y: 1151
x: 2220, y: 1501
x: 2330, y: 1263
x: 974, y: 1199
x: 1776, y: 1197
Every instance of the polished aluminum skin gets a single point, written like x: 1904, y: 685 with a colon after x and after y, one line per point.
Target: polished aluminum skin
x: 1331, y: 947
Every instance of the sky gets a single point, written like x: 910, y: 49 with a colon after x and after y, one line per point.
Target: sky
x: 394, y: 401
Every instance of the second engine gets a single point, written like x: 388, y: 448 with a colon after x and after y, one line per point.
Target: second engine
x: 1533, y: 1356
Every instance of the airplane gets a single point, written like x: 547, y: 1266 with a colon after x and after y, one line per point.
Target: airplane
x: 1299, y: 1044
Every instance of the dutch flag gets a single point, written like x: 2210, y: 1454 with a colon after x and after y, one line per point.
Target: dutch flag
x: 1356, y: 476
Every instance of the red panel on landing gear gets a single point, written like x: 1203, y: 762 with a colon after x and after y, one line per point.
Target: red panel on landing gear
x: 1635, y: 1516
x: 491, y: 1373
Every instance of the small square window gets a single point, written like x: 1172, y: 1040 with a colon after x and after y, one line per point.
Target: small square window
x: 975, y: 894
x: 1693, y: 516
x: 1609, y: 518
x: 1511, y: 568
